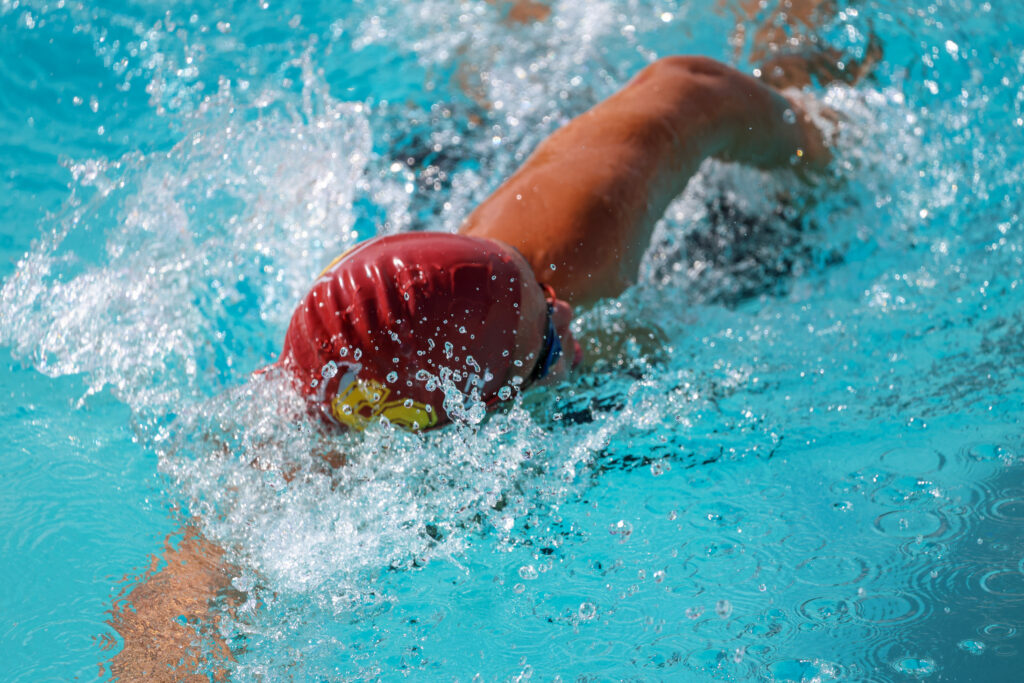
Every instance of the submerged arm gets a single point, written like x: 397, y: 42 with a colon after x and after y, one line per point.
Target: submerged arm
x: 157, y: 619
x: 581, y: 209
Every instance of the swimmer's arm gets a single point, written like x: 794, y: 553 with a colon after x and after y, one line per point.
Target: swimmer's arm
x: 757, y: 124
x: 156, y: 619
x: 582, y: 208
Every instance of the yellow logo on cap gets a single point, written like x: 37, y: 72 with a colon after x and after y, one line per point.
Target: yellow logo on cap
x: 366, y: 399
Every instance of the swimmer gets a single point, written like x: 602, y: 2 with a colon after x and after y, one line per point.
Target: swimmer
x: 394, y: 322
x: 398, y: 320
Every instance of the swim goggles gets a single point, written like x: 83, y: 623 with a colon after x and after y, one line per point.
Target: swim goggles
x: 551, y: 350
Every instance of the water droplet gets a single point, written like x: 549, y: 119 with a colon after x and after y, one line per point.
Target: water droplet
x: 659, y: 576
x: 357, y: 354
x: 392, y: 377
x: 659, y: 467
x: 407, y: 403
x: 519, y: 588
x: 314, y: 383
x: 552, y: 266
x: 975, y: 647
x: 347, y: 409
x: 329, y: 370
x: 789, y: 116
x: 694, y: 612
x: 343, y: 352
x: 528, y: 572
x: 505, y: 393
x: 587, y: 611
x: 723, y: 608
x: 621, y: 528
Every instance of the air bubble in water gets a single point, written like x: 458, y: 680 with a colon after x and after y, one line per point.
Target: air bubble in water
x: 723, y: 608
x: 392, y: 377
x: 789, y: 116
x: 528, y: 572
x: 505, y: 393
x: 694, y: 612
x: 329, y: 370
x: 587, y: 611
x: 357, y: 354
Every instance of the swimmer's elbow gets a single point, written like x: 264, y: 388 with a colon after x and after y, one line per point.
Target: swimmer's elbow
x: 704, y: 100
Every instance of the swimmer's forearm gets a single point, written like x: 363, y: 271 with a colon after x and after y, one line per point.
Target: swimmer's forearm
x: 747, y: 121
x: 155, y: 620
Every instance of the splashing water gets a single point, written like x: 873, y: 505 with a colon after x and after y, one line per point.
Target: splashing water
x: 791, y: 434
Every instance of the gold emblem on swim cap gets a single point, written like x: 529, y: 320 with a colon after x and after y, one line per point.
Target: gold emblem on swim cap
x: 364, y: 400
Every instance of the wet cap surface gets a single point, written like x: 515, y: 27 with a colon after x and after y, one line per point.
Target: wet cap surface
x: 385, y: 326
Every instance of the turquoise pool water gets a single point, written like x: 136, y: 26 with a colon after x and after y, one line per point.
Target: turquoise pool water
x: 796, y: 453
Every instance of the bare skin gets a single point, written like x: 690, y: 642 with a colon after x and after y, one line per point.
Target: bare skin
x: 156, y: 619
x: 582, y: 208
x: 585, y: 201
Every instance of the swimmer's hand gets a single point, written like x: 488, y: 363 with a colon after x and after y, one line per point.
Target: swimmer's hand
x: 818, y: 128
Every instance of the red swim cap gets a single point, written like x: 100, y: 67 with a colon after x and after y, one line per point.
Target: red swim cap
x: 397, y: 319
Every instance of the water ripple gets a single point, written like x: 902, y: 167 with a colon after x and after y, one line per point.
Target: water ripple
x: 911, y: 524
x: 1004, y: 582
x: 828, y: 611
x: 832, y: 570
x: 890, y: 608
x: 1007, y: 506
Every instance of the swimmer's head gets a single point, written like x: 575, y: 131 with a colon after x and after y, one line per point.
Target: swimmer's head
x: 397, y: 321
